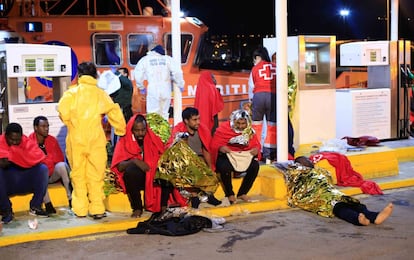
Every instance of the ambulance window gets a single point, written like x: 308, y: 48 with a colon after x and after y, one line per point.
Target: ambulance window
x: 186, y: 42
x: 107, y: 49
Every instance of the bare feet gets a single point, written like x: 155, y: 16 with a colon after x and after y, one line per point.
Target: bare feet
x: 136, y: 214
x: 244, y: 197
x: 363, y: 220
x: 384, y: 214
x: 232, y: 199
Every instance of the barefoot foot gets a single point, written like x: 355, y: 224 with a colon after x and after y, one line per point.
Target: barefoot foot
x: 136, y: 213
x: 232, y: 199
x: 363, y: 220
x: 384, y: 214
x: 244, y: 197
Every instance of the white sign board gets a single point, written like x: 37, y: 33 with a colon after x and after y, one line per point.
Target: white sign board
x: 363, y: 112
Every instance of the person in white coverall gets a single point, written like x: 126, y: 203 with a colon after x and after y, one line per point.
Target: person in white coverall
x: 159, y: 70
x: 81, y: 109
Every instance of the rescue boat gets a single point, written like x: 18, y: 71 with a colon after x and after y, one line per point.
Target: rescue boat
x: 115, y: 37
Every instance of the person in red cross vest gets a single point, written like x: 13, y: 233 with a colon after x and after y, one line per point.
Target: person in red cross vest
x: 263, y: 81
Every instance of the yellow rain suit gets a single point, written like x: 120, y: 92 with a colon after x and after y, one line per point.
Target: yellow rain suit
x: 81, y: 108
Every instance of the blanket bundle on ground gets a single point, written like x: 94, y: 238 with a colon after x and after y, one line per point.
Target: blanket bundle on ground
x: 361, y: 141
x: 169, y: 224
x: 345, y: 174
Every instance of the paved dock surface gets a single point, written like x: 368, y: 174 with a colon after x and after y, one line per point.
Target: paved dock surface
x: 283, y: 234
x: 65, y: 225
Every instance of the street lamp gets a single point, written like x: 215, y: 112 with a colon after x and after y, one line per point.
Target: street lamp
x: 344, y: 13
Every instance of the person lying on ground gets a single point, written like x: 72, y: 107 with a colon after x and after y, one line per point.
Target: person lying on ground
x: 310, y: 188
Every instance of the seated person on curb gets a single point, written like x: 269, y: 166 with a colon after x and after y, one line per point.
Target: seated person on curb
x: 135, y: 161
x: 21, y: 172
x: 235, y: 148
x: 322, y: 198
x: 197, y: 137
x: 55, y: 161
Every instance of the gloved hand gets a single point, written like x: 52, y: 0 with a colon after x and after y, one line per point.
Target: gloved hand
x: 105, y: 119
x: 143, y: 91
x: 181, y: 89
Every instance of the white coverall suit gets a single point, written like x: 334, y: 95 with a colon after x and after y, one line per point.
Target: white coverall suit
x: 81, y: 108
x: 159, y: 70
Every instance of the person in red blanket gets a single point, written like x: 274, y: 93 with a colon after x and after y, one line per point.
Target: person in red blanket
x: 21, y: 172
x: 208, y: 100
x: 135, y: 161
x: 198, y: 137
x: 55, y: 161
x: 236, y: 148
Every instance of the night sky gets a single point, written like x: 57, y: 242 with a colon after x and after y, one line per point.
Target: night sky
x: 305, y: 17
x: 316, y: 17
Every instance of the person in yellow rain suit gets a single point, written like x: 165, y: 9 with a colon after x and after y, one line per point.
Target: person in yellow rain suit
x: 81, y: 109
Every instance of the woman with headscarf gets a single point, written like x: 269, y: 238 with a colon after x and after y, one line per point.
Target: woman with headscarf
x: 235, y: 148
x: 208, y: 100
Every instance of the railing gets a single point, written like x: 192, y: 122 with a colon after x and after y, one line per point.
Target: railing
x: 36, y: 8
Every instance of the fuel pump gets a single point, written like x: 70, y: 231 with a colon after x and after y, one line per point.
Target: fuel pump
x: 23, y: 63
x: 382, y: 109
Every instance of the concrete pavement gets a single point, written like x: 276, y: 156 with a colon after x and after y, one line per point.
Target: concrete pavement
x: 280, y: 234
x: 266, y: 197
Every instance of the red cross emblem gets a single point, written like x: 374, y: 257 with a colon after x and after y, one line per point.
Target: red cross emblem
x: 267, y: 72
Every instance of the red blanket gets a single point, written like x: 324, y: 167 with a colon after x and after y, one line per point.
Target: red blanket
x: 27, y: 154
x: 54, y: 153
x: 208, y: 99
x: 345, y: 174
x: 222, y: 137
x: 128, y: 148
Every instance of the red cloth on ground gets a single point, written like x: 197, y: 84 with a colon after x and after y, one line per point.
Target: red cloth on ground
x: 222, y: 137
x: 345, y: 174
x: 27, y: 154
x: 128, y: 148
x: 208, y: 99
x: 54, y: 153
